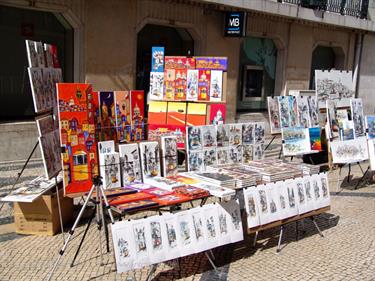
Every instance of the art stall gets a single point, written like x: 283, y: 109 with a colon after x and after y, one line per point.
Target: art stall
x: 223, y: 190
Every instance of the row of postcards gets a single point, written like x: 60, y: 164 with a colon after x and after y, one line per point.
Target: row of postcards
x: 284, y: 199
x: 139, y: 243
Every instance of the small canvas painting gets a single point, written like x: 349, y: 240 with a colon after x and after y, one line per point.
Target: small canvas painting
x: 274, y: 115
x: 315, y: 141
x: 295, y: 141
x: 130, y: 163
x: 156, y: 85
x: 222, y: 135
x: 150, y: 159
x: 358, y: 117
x: 192, y: 85
x: 216, y: 85
x: 110, y: 169
x: 283, y: 102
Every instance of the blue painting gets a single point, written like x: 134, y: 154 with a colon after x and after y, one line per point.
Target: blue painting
x: 157, y: 59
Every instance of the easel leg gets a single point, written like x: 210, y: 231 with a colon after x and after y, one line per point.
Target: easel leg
x: 317, y: 227
x: 339, y: 180
x: 348, y: 178
x: 99, y: 221
x: 59, y: 206
x: 280, y: 239
x: 152, y: 270
x: 211, y: 262
x: 83, y: 237
x: 255, y: 239
x: 71, y: 232
x: 281, y: 150
x: 104, y: 221
x: 273, y: 138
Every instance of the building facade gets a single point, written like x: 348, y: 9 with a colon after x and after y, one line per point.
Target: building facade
x: 110, y: 44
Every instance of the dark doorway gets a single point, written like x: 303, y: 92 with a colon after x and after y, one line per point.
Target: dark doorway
x: 176, y: 41
x: 323, y: 58
x: 17, y: 25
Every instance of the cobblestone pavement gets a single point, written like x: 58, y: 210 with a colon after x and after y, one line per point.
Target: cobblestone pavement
x: 346, y: 252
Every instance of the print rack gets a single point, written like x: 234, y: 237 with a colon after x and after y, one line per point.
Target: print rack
x: 172, y: 209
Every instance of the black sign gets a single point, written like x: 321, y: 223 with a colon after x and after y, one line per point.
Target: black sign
x: 235, y: 24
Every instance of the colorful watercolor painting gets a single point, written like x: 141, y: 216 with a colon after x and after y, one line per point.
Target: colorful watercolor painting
x: 157, y: 59
x: 295, y: 141
x: 180, y: 84
x: 156, y: 85
x: 315, y: 141
x: 137, y: 115
x: 169, y: 84
x: 211, y: 63
x: 216, y: 85
x: 123, y: 115
x: 217, y: 113
x: 107, y: 116
x: 176, y: 113
x: 77, y: 135
x: 192, y: 85
x: 196, y: 114
x: 204, y: 79
x: 370, y: 125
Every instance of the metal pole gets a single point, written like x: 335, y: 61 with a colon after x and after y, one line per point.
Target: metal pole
x: 211, y: 262
x: 59, y: 205
x: 317, y: 227
x: 280, y: 239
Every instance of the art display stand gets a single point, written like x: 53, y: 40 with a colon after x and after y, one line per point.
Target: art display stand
x: 100, y: 198
x: 282, y: 223
x: 349, y: 165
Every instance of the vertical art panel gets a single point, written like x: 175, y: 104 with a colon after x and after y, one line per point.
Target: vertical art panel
x: 123, y: 115
x: 77, y: 135
x: 137, y: 101
x: 107, y: 116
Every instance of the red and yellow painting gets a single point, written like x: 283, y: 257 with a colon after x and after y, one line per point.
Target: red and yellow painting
x: 77, y: 134
x: 204, y: 77
x: 217, y: 113
x: 180, y: 84
x: 196, y: 114
x: 123, y: 115
x: 137, y: 100
x: 157, y: 113
x: 176, y: 113
x: 107, y: 115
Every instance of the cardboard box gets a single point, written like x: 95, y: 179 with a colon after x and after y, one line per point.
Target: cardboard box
x: 42, y: 216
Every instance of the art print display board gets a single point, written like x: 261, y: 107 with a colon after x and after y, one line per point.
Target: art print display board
x: 176, y: 113
x: 123, y: 115
x: 211, y: 63
x: 196, y: 114
x: 315, y: 140
x: 180, y: 84
x: 77, y: 135
x: 150, y: 159
x: 157, y: 59
x: 107, y: 116
x: 358, y: 117
x: 204, y: 78
x: 274, y: 115
x: 137, y: 115
x: 333, y: 84
x: 169, y: 155
x: 110, y: 169
x: 157, y: 113
x: 156, y: 85
x: 216, y: 85
x: 192, y: 85
x: 217, y: 113
x: 370, y: 125
x: 50, y: 149
x: 251, y: 207
x: 296, y: 141
x: 303, y: 111
x: 349, y: 151
x: 130, y: 163
x: 169, y: 84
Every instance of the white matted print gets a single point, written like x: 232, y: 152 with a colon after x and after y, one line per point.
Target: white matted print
x: 194, y: 138
x: 106, y: 146
x: 199, y: 229
x: 326, y: 200
x: 247, y: 153
x: 209, y: 157
x: 259, y: 132
x: 157, y: 234
x: 169, y: 155
x: 211, y: 225
x: 110, y: 169
x: 171, y: 225
x: 313, y: 111
x: 235, y: 134
x: 349, y: 151
x: 192, y: 85
x: 310, y: 202
x: 251, y: 207
x: 185, y: 232
x: 232, y: 208
x: 282, y: 203
x: 216, y: 85
x: 296, y: 141
x: 274, y: 115
x: 32, y: 55
x: 258, y: 151
x: 235, y: 154
x: 358, y: 117
x: 273, y: 199
x: 195, y: 161
x: 292, y: 197
x: 130, y: 163
x: 284, y: 111
x: 141, y: 243
x: 156, y: 85
x: 150, y: 159
x: 248, y: 133
x: 208, y: 136
x: 303, y: 111
x: 222, y: 135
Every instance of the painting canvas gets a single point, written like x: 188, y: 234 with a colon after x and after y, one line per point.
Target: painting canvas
x: 196, y: 114
x: 349, y: 151
x: 216, y: 85
x: 77, y: 135
x: 358, y: 117
x: 194, y: 138
x: 150, y: 159
x: 50, y: 148
x: 137, y: 115
x: 204, y: 78
x: 192, y: 85
x: 195, y: 161
x: 176, y: 113
x: 274, y: 115
x: 110, y: 169
x: 169, y: 84
x: 296, y: 141
x: 333, y: 84
x: 212, y: 63
x: 315, y: 141
x: 222, y: 135
x: 208, y: 136
x: 313, y: 110
x: 217, y: 113
x: 130, y: 163
x: 157, y: 59
x: 123, y: 115
x: 32, y: 55
x: 303, y: 111
x: 169, y: 155
x: 107, y: 116
x: 157, y: 113
x: 156, y: 85
x: 247, y: 153
x: 180, y: 84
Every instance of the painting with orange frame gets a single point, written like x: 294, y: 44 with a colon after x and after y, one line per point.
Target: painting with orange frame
x: 123, y: 119
x: 77, y: 135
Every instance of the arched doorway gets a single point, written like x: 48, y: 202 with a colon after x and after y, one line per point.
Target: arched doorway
x: 325, y: 58
x: 17, y: 25
x: 176, y: 41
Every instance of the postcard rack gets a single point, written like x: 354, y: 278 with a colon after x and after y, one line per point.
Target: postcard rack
x: 282, y: 223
